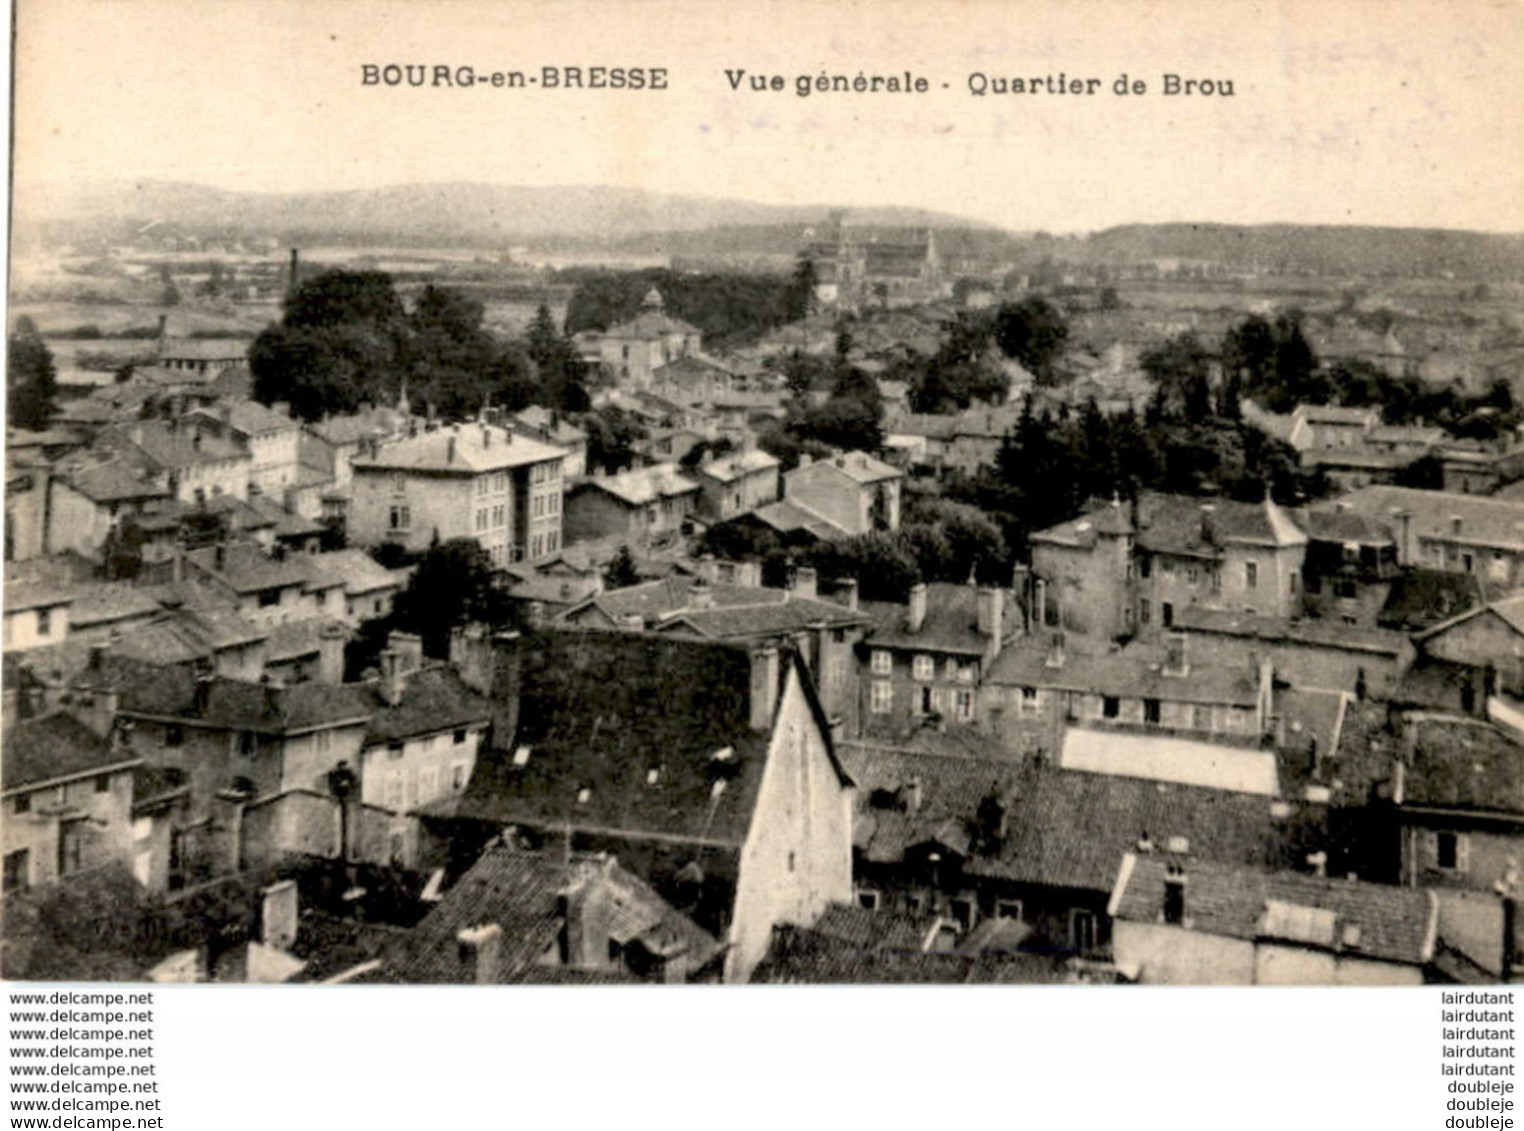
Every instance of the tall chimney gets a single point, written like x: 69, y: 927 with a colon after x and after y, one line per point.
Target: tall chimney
x: 916, y: 616
x: 1174, y: 895
x: 586, y: 912
x: 991, y: 620
x: 391, y: 682
x: 481, y: 950
x: 765, y: 670
x: 846, y: 593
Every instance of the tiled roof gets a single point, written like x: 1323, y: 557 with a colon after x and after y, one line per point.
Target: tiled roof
x: 98, y: 605
x: 1108, y: 519
x: 247, y: 569
x: 859, y: 466
x: 805, y: 956
x: 170, y: 692
x: 788, y: 516
x: 34, y: 595
x: 113, y: 481
x: 1071, y: 830
x: 1460, y: 763
x: 552, y: 425
x: 1183, y: 524
x: 1358, y: 920
x: 1345, y: 526
x: 773, y: 618
x: 466, y: 449
x: 55, y: 746
x: 375, y: 423
x: 433, y: 699
x: 951, y: 624
x: 177, y: 447
x: 1463, y: 519
x: 521, y: 893
x: 643, y: 486
x: 732, y: 467
x: 295, y: 639
x: 1135, y: 672
x: 1509, y: 610
x: 203, y: 349
x: 356, y: 570
x: 1421, y: 598
x: 1314, y: 633
x: 733, y: 612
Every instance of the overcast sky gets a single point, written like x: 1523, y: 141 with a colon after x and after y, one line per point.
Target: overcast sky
x: 1374, y: 113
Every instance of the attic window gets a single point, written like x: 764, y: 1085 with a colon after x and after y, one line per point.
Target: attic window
x: 584, y: 795
x: 521, y: 756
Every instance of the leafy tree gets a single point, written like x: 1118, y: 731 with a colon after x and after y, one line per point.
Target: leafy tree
x: 1180, y: 369
x: 611, y: 437
x: 31, y: 381
x: 621, y: 573
x: 800, y: 301
x: 1033, y: 331
x: 881, y: 561
x: 452, y: 585
x: 449, y: 356
x: 560, y: 373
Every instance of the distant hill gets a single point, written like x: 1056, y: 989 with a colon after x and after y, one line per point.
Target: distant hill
x: 419, y: 214
x: 634, y: 221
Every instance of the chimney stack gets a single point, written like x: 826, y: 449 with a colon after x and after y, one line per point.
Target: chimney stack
x: 1174, y: 895
x: 805, y: 582
x: 916, y: 617
x: 409, y: 648
x: 707, y: 569
x: 700, y: 594
x: 391, y: 683
x: 1056, y: 651
x: 481, y: 951
x: 586, y: 912
x: 991, y: 620
x: 914, y: 795
x: 278, y: 915
x: 765, y: 669
x: 1208, y: 526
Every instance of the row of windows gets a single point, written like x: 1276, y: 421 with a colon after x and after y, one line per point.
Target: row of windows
x: 491, y: 518
x: 545, y: 473
x: 543, y: 505
x: 494, y: 484
x: 923, y: 667
x: 22, y: 803
x: 932, y: 701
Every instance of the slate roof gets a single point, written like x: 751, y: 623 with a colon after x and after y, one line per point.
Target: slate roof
x: 551, y: 425
x: 466, y: 449
x: 54, y: 746
x: 1082, y: 532
x: 351, y: 428
x: 649, y: 325
x: 598, y: 712
x: 159, y: 691
x: 519, y: 891
x: 1367, y: 920
x: 1071, y: 829
x: 951, y: 624
x: 1485, y: 522
x: 356, y: 570
x: 642, y: 486
x: 178, y: 447
x: 433, y: 699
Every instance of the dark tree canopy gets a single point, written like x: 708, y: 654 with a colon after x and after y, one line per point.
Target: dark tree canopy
x: 1033, y: 331
x: 31, y: 381
x: 452, y: 585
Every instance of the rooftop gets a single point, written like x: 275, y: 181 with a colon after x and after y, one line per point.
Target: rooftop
x: 56, y: 746
x: 859, y: 466
x: 642, y: 486
x: 1169, y: 759
x: 1347, y: 917
x: 1460, y: 763
x: 951, y: 623
x: 433, y: 699
x: 462, y: 449
x: 731, y: 467
x: 1462, y: 519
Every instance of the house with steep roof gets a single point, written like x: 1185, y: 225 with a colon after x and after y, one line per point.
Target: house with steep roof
x: 632, y: 351
x: 476, y: 481
x: 640, y: 506
x: 89, y: 498
x: 708, y: 769
x: 270, y: 435
x: 268, y: 590
x: 519, y: 917
x: 1201, y: 923
x: 693, y: 378
x: 736, y: 483
x: 66, y: 795
x: 1489, y: 639
x: 35, y: 615
x: 369, y: 587
x: 853, y: 491
x: 191, y: 460
x: 826, y: 631
x: 924, y: 661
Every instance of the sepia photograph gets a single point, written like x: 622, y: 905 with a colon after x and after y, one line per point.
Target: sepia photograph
x: 592, y: 493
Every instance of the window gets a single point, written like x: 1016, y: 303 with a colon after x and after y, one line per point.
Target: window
x: 174, y: 735
x: 394, y: 751
x: 1145, y: 566
x: 458, y: 776
x: 1498, y: 569
x: 552, y: 541
x: 1145, y: 611
x: 481, y: 519
x: 963, y: 706
x: 482, y: 486
x: 269, y: 598
x: 18, y: 869
x: 1251, y: 575
x: 23, y: 803
x: 962, y: 911
x: 1031, y: 702
x: 248, y: 743
x: 883, y: 662
x: 1008, y: 909
x: 1151, y: 711
x: 1082, y: 930
x: 537, y: 546
x: 1111, y: 706
x: 459, y: 737
x: 323, y: 740
x: 868, y: 899
x: 1166, y: 614
x: 103, y: 783
x: 44, y: 621
x: 399, y: 484
x: 401, y: 518
x: 1452, y: 852
x: 924, y: 668
x: 882, y: 701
